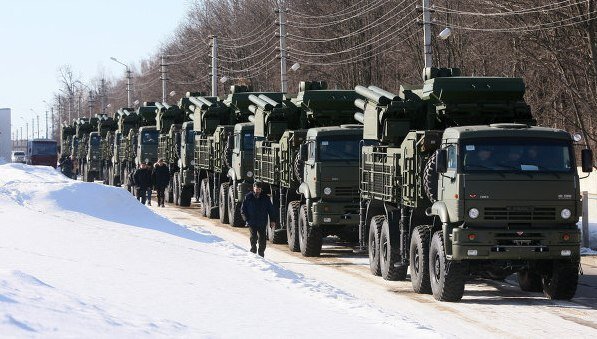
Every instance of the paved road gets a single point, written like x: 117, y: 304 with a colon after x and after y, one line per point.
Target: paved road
x: 489, y: 308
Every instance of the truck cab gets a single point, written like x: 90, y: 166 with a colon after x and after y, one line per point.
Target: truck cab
x: 147, y: 145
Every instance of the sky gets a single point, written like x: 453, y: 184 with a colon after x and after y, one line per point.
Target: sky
x: 37, y: 37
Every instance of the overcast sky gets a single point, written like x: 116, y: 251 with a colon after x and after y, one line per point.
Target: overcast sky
x: 38, y: 36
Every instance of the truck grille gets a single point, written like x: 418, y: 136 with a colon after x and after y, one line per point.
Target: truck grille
x: 346, y: 191
x: 520, y: 213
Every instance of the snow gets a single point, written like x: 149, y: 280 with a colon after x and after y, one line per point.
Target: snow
x: 87, y: 260
x: 592, y: 249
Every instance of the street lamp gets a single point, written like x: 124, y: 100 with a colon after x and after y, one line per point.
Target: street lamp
x: 128, y: 80
x: 33, y: 123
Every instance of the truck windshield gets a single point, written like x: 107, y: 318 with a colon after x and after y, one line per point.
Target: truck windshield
x: 149, y: 137
x: 516, y: 155
x: 190, y: 139
x: 248, y: 143
x: 338, y: 149
x: 95, y: 140
x: 43, y: 148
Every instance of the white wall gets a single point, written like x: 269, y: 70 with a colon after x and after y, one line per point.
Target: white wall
x: 5, y: 142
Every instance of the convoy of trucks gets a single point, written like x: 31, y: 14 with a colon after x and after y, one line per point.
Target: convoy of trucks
x: 447, y: 180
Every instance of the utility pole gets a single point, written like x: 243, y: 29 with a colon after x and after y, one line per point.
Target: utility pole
x: 163, y: 77
x: 38, y: 126
x: 214, y: 65
x: 428, y: 53
x: 283, y: 55
x: 103, y: 97
x: 90, y: 103
x: 53, y: 122
x: 46, y: 124
x: 128, y: 86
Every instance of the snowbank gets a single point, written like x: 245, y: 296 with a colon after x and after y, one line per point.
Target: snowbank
x: 83, y: 259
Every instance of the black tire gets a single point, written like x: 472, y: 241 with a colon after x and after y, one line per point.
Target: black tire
x: 529, y: 281
x: 203, y: 197
x: 186, y: 194
x: 176, y: 191
x: 430, y: 178
x: 373, y: 244
x: 298, y: 168
x: 210, y: 210
x: 561, y: 280
x: 389, y: 254
x: 419, y: 260
x: 170, y: 190
x: 292, y: 216
x: 223, y: 203
x: 234, y: 216
x: 447, y: 277
x: 310, y: 238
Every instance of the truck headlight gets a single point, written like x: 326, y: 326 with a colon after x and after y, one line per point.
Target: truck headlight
x: 473, y: 213
x: 249, y: 174
x: 327, y: 191
x: 566, y: 214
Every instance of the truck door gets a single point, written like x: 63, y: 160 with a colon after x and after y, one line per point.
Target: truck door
x: 449, y: 191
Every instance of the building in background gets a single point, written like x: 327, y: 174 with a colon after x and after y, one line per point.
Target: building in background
x: 5, y: 142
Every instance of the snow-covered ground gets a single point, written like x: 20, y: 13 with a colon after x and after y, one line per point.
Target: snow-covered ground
x: 86, y: 260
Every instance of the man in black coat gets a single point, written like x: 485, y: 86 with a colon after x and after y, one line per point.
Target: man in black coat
x: 161, y: 179
x: 255, y: 210
x: 142, y: 179
x: 66, y: 166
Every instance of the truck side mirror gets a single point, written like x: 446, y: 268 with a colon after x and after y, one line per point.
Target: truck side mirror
x: 441, y: 165
x: 303, y: 152
x: 586, y: 156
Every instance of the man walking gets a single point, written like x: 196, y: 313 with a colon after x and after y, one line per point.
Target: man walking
x: 161, y: 179
x: 142, y: 179
x: 255, y: 210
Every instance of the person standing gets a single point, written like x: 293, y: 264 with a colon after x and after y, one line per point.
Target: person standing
x: 151, y: 183
x: 142, y: 179
x: 66, y: 166
x: 255, y: 209
x: 161, y: 179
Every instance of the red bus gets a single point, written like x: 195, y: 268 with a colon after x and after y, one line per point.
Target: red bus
x: 42, y: 152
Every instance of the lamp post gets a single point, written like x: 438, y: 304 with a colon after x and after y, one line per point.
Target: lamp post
x: 128, y: 80
x: 51, y: 119
x: 27, y: 128
x: 33, y: 123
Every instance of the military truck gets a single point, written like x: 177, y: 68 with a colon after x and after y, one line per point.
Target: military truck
x: 147, y: 135
x: 456, y: 181
x: 106, y: 127
x: 309, y: 167
x: 85, y: 126
x: 95, y: 156
x: 169, y: 123
x: 127, y: 120
x: 182, y: 184
x: 66, y: 139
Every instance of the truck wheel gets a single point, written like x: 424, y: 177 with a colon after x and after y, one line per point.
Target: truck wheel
x: 310, y: 238
x: 186, y: 194
x: 447, y: 277
x: 176, y: 190
x: 203, y: 197
x: 374, y: 235
x: 292, y: 216
x: 222, y: 204
x: 561, y: 281
x: 234, y: 216
x: 529, y: 281
x: 419, y: 256
x: 210, y: 210
x: 430, y: 178
x: 170, y: 196
x: 389, y: 254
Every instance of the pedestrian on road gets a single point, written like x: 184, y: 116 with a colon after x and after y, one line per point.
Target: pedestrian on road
x: 142, y: 180
x: 161, y: 179
x: 255, y: 210
x: 151, y: 183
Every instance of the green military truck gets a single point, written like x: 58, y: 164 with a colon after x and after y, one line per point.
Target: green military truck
x: 456, y: 181
x: 92, y: 164
x: 67, y: 133
x: 85, y: 127
x: 182, y: 184
x: 236, y: 167
x: 147, y: 135
x: 106, y: 127
x: 127, y: 120
x: 307, y: 165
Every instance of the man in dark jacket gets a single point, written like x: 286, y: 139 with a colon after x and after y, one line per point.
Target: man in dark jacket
x: 255, y: 210
x: 66, y: 166
x: 161, y: 179
x: 142, y: 179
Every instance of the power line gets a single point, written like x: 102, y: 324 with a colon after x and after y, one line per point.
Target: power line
x: 532, y: 10
x: 347, y: 11
x: 257, y: 31
x: 360, y: 13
